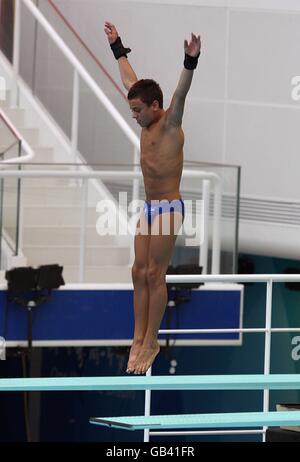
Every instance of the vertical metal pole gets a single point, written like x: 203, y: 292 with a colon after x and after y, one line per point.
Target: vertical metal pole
x: 147, y: 408
x: 16, y: 53
x: 35, y: 41
x: 135, y: 192
x: 1, y: 217
x: 216, y: 241
x: 83, y: 221
x: 235, y: 258
x: 18, y: 218
x: 136, y: 181
x: 267, y: 355
x: 35, y: 397
x: 75, y: 113
x: 204, y: 235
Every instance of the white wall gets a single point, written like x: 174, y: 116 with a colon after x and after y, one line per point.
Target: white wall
x: 239, y: 109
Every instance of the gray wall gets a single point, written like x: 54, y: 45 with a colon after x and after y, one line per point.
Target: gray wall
x: 239, y: 109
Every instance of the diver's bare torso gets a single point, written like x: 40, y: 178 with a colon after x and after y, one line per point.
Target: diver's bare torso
x: 162, y: 160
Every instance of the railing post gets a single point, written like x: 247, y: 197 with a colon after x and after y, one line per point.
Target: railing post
x: 19, y: 227
x: 216, y: 239
x: 84, y: 210
x: 204, y: 235
x: 75, y: 113
x: 1, y: 217
x: 83, y: 73
x: 267, y: 356
x: 135, y: 191
x: 136, y: 181
x: 16, y: 54
x: 147, y: 407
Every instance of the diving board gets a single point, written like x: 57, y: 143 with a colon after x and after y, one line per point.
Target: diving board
x: 168, y: 382
x: 222, y: 420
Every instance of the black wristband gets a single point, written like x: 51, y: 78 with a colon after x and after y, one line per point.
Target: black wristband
x: 190, y: 62
x: 118, y: 49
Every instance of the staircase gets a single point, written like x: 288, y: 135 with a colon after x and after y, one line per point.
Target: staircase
x: 52, y: 213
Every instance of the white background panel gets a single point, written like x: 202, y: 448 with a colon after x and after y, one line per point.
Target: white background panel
x: 265, y: 141
x: 264, y: 51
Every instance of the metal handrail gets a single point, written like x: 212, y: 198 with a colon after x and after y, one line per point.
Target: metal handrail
x: 24, y: 145
x: 86, y: 47
x: 79, y: 70
x: 267, y: 330
x: 85, y: 175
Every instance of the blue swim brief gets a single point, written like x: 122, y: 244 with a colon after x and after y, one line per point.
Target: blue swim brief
x: 155, y: 207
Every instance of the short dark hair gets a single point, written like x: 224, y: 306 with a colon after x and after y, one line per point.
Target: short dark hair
x: 147, y: 90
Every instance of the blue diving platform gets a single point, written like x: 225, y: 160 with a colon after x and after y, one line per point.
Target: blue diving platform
x: 168, y: 382
x: 220, y: 420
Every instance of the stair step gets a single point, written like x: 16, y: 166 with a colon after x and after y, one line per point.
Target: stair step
x: 31, y: 196
x: 43, y: 154
x: 44, y: 182
x: 31, y: 135
x: 38, y: 163
x: 52, y: 215
x: 98, y: 274
x: 7, y: 138
x: 50, y: 235
x: 69, y: 255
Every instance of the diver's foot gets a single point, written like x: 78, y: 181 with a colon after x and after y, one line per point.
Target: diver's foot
x: 133, y: 355
x: 146, y: 358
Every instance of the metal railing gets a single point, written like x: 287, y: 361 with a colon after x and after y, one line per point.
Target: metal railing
x: 208, y: 177
x: 23, y: 145
x: 268, y: 279
x: 79, y: 39
x: 78, y: 71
